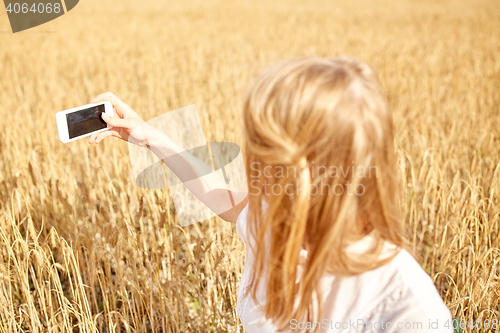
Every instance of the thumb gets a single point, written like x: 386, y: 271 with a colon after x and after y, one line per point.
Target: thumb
x: 114, y: 121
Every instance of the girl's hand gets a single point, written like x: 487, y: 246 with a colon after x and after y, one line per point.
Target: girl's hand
x: 124, y: 121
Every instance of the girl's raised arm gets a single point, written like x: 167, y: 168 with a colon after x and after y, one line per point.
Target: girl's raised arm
x: 129, y: 126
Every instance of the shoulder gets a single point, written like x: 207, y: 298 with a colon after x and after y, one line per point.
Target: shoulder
x: 417, y: 281
x: 419, y: 306
x: 399, y: 291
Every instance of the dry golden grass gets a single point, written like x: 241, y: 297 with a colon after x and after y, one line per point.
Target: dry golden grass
x: 82, y: 246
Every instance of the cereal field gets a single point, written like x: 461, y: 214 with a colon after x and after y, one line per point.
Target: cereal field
x: 82, y: 249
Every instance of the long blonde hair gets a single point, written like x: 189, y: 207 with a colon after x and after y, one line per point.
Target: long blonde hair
x: 303, y: 120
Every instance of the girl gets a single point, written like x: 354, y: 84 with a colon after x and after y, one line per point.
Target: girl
x: 325, y: 245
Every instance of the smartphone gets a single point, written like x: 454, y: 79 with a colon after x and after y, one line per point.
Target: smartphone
x: 82, y: 121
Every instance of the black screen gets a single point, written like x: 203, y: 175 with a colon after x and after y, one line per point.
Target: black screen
x: 85, y: 121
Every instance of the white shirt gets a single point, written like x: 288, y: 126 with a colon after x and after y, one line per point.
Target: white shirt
x: 396, y: 297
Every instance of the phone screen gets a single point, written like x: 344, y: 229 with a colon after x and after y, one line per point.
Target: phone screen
x: 85, y: 121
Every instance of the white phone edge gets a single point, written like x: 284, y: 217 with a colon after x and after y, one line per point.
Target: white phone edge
x: 62, y: 125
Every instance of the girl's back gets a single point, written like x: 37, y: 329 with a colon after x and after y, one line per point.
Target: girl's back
x: 324, y: 239
x: 396, y: 295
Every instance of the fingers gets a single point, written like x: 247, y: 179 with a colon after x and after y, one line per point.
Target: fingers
x: 93, y: 137
x: 105, y: 134
x: 98, y: 137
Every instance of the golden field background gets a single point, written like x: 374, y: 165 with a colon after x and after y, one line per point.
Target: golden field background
x: 83, y: 249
